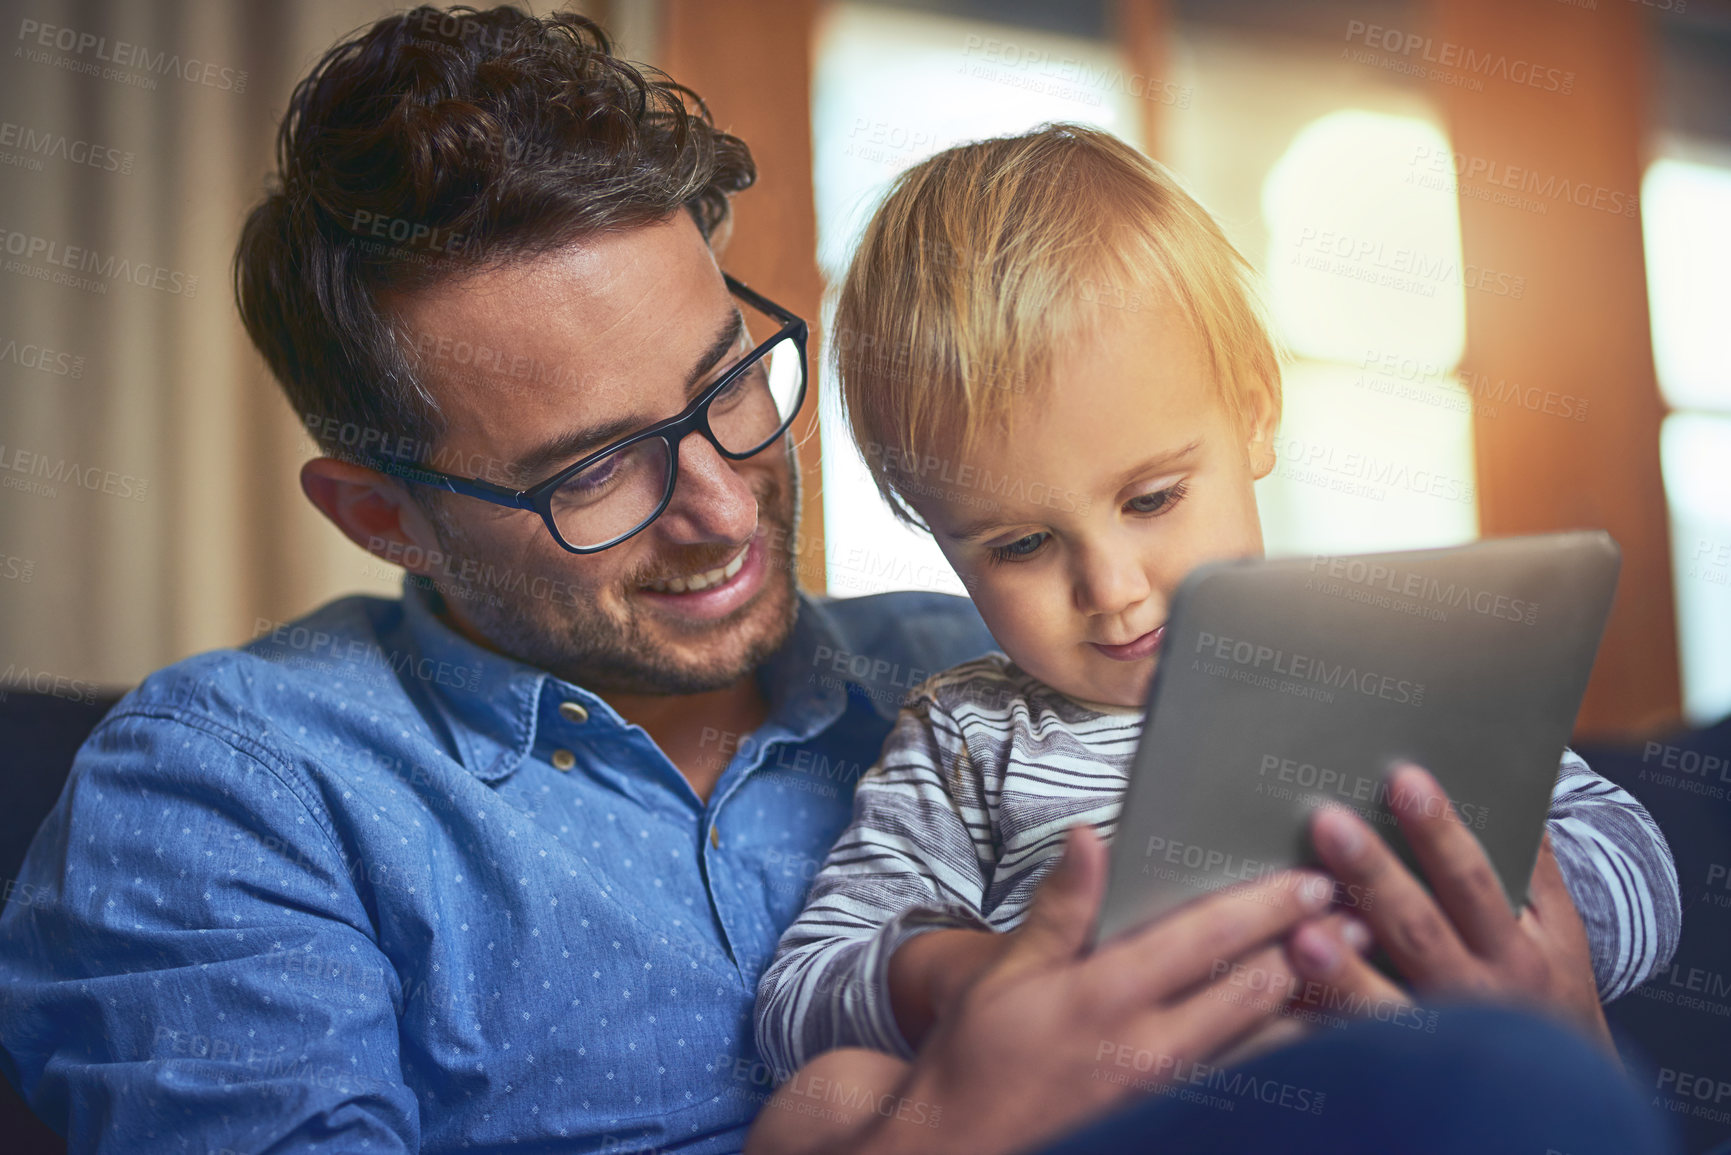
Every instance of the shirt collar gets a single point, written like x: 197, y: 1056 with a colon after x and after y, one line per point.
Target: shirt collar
x: 800, y: 702
x: 491, y: 715
x: 495, y: 708
x: 806, y: 672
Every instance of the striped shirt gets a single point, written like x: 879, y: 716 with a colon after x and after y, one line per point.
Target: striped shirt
x: 965, y: 813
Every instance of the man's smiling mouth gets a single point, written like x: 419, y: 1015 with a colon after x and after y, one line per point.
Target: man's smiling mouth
x: 691, y: 583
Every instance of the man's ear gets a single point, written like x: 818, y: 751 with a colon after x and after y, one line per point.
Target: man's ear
x: 373, y: 511
x: 1263, y: 421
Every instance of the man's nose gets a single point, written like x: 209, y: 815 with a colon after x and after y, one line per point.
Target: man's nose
x: 1110, y: 582
x: 712, y: 502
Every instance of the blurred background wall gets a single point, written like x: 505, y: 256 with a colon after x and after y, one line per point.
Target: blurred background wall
x: 1495, y: 236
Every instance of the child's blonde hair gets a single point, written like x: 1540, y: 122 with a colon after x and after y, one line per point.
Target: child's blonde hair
x: 984, y: 258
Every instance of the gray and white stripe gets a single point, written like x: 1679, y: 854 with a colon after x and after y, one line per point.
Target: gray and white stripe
x: 965, y: 812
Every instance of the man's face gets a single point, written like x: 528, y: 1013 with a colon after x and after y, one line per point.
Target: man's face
x: 1073, y: 530
x: 588, y: 344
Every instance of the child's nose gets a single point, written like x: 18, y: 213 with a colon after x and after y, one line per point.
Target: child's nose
x: 1111, y: 584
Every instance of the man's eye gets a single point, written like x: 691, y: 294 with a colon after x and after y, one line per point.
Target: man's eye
x: 593, y: 479
x: 1158, y: 502
x: 603, y: 477
x: 739, y: 386
x: 1021, y: 549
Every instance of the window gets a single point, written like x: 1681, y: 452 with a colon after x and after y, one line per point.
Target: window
x: 1365, y: 289
x: 1296, y: 158
x: 1686, y: 222
x: 890, y: 88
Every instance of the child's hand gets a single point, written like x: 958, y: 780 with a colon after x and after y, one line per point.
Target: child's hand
x: 928, y: 974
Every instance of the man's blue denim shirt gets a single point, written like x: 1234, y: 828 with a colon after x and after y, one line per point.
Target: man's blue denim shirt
x: 364, y: 886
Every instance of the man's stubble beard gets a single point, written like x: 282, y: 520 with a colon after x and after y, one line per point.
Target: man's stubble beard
x: 589, y: 647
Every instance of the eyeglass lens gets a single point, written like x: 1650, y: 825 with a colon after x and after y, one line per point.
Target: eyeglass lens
x: 616, y: 494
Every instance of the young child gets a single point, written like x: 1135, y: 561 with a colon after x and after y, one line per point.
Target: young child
x: 1050, y: 358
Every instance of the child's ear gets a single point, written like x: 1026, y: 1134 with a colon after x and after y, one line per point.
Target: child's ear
x: 1262, y: 420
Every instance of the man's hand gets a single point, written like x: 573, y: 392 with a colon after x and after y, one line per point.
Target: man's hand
x: 1464, y: 941
x: 929, y: 973
x: 1049, y: 1036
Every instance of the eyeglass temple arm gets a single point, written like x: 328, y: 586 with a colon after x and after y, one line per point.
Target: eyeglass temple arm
x: 516, y: 498
x: 468, y: 487
x: 758, y: 299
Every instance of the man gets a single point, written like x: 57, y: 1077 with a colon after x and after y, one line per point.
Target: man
x: 499, y: 864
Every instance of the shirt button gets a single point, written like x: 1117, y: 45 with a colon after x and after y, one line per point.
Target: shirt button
x: 573, y: 712
x: 563, y: 759
x: 715, y: 837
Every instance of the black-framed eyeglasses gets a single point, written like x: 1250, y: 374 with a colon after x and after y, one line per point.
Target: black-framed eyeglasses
x: 617, y: 491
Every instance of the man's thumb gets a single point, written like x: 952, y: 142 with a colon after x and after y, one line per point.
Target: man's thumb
x: 1062, y: 914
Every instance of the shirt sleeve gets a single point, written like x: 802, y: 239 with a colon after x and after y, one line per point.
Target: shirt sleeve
x: 195, y: 969
x: 1619, y: 871
x: 905, y: 865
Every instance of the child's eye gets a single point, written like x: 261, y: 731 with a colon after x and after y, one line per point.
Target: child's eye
x: 1021, y: 549
x: 1159, y: 502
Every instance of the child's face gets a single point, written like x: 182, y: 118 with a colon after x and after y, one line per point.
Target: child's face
x: 1122, y: 474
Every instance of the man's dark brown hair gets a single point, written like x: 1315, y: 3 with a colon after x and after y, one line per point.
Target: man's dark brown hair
x: 435, y: 143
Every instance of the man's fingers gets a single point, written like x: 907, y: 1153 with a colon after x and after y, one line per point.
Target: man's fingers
x: 1455, y: 865
x: 1547, y: 893
x: 1550, y: 916
x: 1333, y: 972
x: 1553, y: 925
x: 1408, y: 924
x: 1064, y: 908
x: 1190, y: 944
x: 1346, y: 928
x: 1244, y: 994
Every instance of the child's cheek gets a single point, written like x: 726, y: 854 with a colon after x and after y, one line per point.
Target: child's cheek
x: 997, y: 605
x: 1025, y: 628
x: 993, y: 602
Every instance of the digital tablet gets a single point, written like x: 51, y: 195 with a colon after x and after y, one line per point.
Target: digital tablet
x: 1287, y: 684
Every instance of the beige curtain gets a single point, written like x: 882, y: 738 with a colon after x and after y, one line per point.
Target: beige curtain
x: 149, y: 502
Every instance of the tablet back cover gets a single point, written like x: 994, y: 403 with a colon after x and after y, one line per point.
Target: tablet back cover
x: 1287, y: 684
